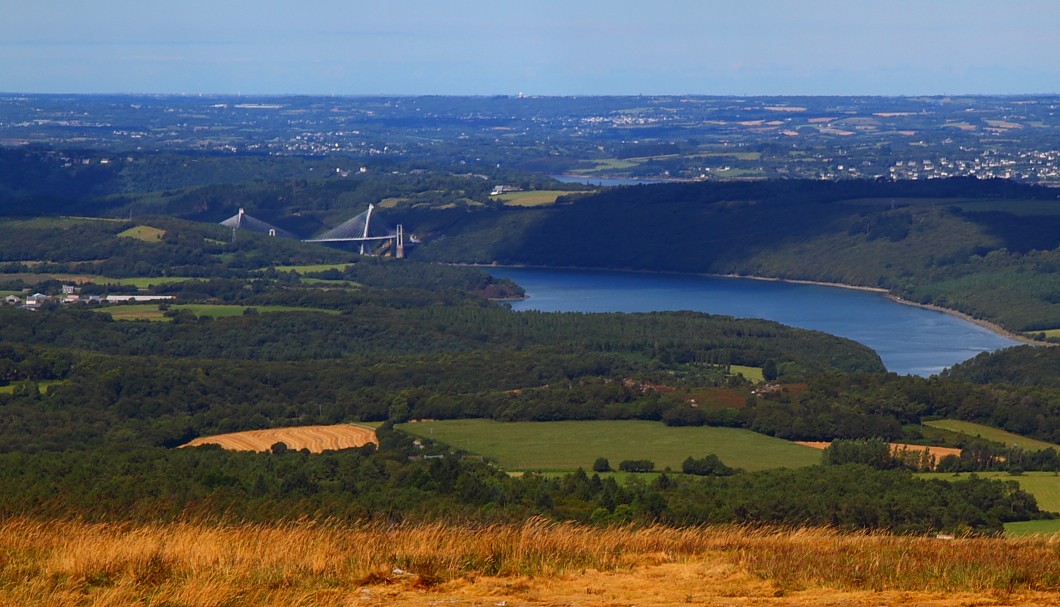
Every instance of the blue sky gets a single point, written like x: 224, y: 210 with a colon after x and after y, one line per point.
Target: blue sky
x: 544, y: 47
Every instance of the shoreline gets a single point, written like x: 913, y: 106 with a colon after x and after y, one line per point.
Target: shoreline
x: 985, y: 324
x: 992, y: 327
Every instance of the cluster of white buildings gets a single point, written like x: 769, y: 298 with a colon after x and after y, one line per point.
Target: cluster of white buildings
x: 70, y: 295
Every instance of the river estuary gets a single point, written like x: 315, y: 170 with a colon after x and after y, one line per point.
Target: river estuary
x: 909, y: 339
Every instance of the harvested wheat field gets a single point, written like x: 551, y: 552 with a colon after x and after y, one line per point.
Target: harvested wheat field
x: 937, y: 452
x: 314, y: 438
x: 535, y: 563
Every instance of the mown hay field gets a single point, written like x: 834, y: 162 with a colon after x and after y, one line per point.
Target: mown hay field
x: 316, y: 439
x: 569, y: 445
x: 533, y: 563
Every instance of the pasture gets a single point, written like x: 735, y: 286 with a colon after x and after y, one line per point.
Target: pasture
x: 569, y: 445
x: 316, y: 439
x: 1045, y: 486
x: 1031, y: 208
x: 32, y: 278
x: 143, y: 282
x: 151, y: 311
x: 310, y: 268
x: 992, y: 434
x: 1024, y: 528
x: 55, y: 222
x: 143, y: 233
x: 753, y: 374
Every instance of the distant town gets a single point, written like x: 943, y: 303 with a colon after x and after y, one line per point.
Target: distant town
x: 641, y: 138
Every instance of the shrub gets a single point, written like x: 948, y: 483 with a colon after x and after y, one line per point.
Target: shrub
x: 706, y: 466
x: 636, y: 465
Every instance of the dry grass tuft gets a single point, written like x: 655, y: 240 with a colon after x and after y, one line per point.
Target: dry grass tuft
x: 538, y: 562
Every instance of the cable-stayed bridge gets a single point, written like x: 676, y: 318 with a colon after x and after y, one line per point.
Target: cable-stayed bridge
x: 243, y: 221
x: 369, y: 230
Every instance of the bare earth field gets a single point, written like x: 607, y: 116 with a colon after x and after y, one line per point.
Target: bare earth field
x: 535, y: 563
x: 314, y: 438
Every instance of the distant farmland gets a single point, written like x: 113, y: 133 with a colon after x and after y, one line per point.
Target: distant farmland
x: 569, y: 445
x: 314, y: 438
x: 533, y: 198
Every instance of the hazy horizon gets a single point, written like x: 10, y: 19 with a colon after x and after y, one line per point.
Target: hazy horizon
x: 544, y: 48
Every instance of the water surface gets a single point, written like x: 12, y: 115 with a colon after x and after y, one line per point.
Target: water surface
x: 909, y: 340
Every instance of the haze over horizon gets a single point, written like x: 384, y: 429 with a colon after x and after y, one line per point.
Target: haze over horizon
x: 546, y: 47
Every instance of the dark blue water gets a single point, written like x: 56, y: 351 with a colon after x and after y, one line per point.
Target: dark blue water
x: 909, y: 340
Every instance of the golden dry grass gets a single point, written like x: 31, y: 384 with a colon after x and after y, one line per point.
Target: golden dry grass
x: 316, y: 439
x: 535, y: 563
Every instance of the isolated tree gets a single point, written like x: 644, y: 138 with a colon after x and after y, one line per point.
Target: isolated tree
x: 769, y: 370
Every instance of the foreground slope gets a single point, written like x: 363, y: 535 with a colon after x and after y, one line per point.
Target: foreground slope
x: 534, y: 563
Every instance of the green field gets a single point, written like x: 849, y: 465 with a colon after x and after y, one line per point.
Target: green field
x: 55, y: 222
x: 32, y: 278
x: 608, y: 164
x: 1032, y: 528
x: 144, y: 233
x: 306, y: 269
x: 42, y: 385
x: 1044, y: 485
x: 1021, y: 207
x: 333, y: 284
x: 570, y: 445
x: 151, y: 311
x: 751, y: 373
x: 140, y: 282
x: 991, y: 434
x: 733, y: 154
x: 534, y: 198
